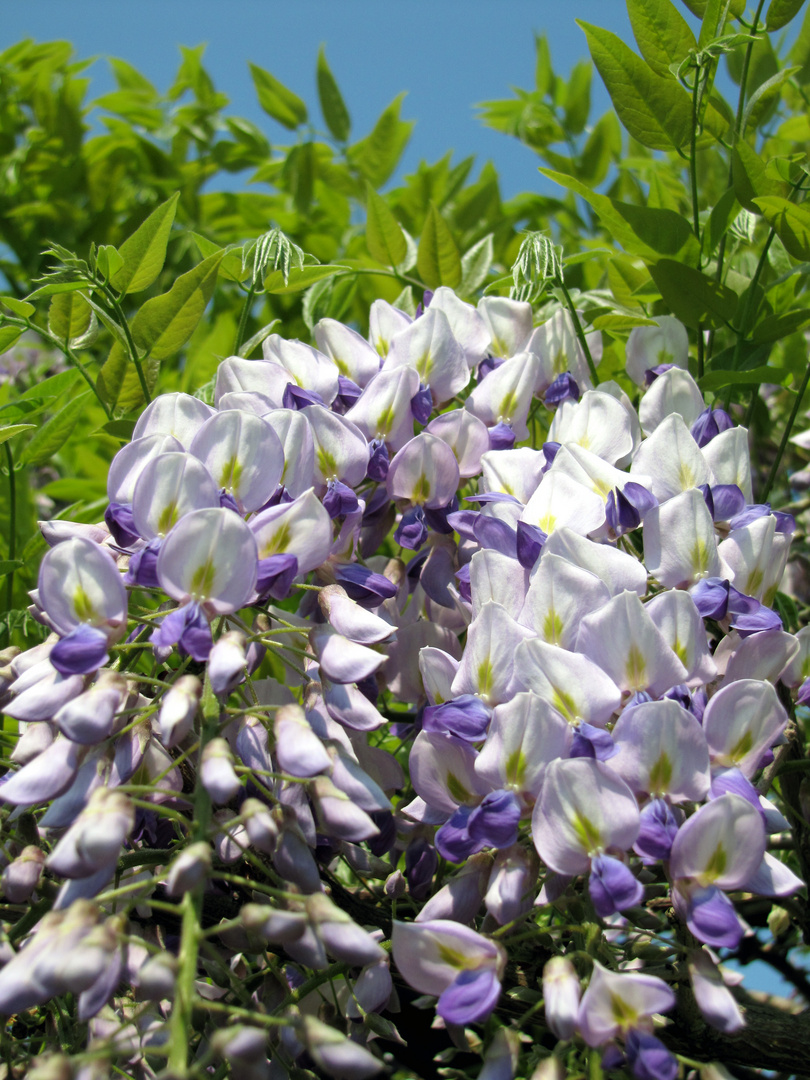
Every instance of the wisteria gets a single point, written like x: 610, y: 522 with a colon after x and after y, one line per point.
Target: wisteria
x: 390, y: 661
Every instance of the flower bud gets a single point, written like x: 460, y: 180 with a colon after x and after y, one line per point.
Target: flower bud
x: 226, y: 662
x: 155, y: 979
x: 177, y: 710
x: 335, y: 1054
x: 189, y: 869
x: 395, y: 885
x: 561, y: 996
x: 21, y: 876
x: 261, y: 827
x: 217, y: 773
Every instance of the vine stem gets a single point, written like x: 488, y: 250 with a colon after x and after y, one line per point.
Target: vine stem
x: 133, y: 351
x: 569, y: 303
x: 786, y: 434
x: 12, y: 539
x: 243, y: 318
x: 191, y: 934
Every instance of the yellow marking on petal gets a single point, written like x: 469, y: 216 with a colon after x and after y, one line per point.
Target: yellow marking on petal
x: 680, y: 651
x: 421, y: 490
x: 326, y: 463
x: 715, y: 866
x: 552, y: 628
x: 564, y: 704
x: 168, y: 518
x: 485, y: 674
x: 457, y: 789
x: 83, y: 605
x: 661, y: 775
x: 508, y: 406
x: 665, y: 356
x: 700, y: 558
x: 385, y: 422
x: 624, y: 1015
x: 516, y: 768
x: 741, y: 748
x: 231, y: 474
x: 424, y: 366
x: 754, y: 583
x: 686, y: 477
x: 769, y: 596
x: 547, y: 523
x: 560, y: 362
x: 342, y: 366
x: 457, y: 959
x: 587, y: 832
x: 202, y: 580
x: 635, y: 669
x: 278, y: 542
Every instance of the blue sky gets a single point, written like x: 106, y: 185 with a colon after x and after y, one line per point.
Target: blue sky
x: 448, y: 55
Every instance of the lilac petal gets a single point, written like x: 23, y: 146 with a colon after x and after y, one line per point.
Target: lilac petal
x: 412, y: 531
x: 494, y: 822
x: 711, y: 597
x: 43, y: 695
x: 710, y: 423
x: 378, y: 461
x: 276, y: 575
x: 119, y: 520
x: 251, y: 745
x: 342, y: 660
x: 47, y: 776
x: 592, y: 742
x: 764, y: 619
x: 612, y: 886
x: 348, y: 393
x: 715, y: 1001
x: 649, y: 1058
x: 422, y: 405
x: 453, y: 840
x: 81, y: 651
x: 711, y: 917
x: 773, y: 878
x: 142, y: 568
x: 186, y: 625
x: 659, y: 827
x: 470, y: 998
x: 95, y: 997
x: 339, y: 499
x: 564, y: 388
x: 466, y: 717
x: 363, y: 585
x: 79, y: 582
x: 561, y: 994
x: 421, y: 863
x: 502, y: 436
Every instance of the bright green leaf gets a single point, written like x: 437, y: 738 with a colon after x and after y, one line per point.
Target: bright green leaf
x: 765, y: 98
x: 165, y: 323
x: 657, y: 111
x: 384, y: 236
x: 749, y: 176
x: 52, y: 436
x: 56, y: 287
x: 377, y: 155
x: 776, y: 327
x: 616, y: 323
x: 300, y: 278
x: 790, y: 222
x: 333, y: 106
x: 693, y: 297
x: 8, y: 431
x: 723, y: 213
x: 18, y: 307
x: 780, y: 13
x: 698, y: 7
x: 8, y: 566
x: 276, y: 100
x: 438, y: 260
x: 475, y: 265
x: 51, y: 387
x: 543, y: 71
x: 8, y: 335
x: 69, y: 316
x: 578, y: 98
x: 108, y: 261
x: 661, y: 32
x: 119, y: 429
x: 144, y: 252
x: 716, y: 380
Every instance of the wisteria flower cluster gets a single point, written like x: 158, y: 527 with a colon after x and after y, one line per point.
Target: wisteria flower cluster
x: 428, y: 648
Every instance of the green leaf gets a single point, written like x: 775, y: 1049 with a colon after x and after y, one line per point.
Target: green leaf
x: 578, y: 98
x: 602, y: 147
x: 144, y: 252
x: 780, y: 13
x: 333, y: 106
x: 299, y: 174
x: 18, y: 307
x: 247, y: 347
x: 377, y: 155
x: 657, y: 111
x: 723, y: 213
x: 749, y: 176
x: 384, y: 236
x: 776, y: 327
x: 790, y: 222
x: 475, y: 265
x: 717, y: 380
x: 615, y: 323
x: 438, y: 260
x: 8, y: 431
x: 300, y: 278
x: 8, y: 566
x: 69, y: 316
x: 698, y: 7
x: 641, y: 230
x: 52, y: 387
x: 119, y: 429
x: 661, y: 32
x: 56, y: 287
x: 276, y: 100
x: 8, y: 335
x: 693, y: 297
x: 165, y: 323
x: 52, y: 436
x: 231, y: 266
x: 543, y: 71
x: 765, y: 98
x: 108, y: 261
